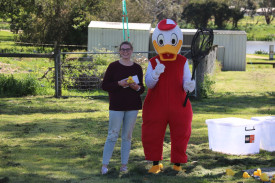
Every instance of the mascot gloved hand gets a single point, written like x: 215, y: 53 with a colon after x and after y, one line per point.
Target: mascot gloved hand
x: 158, y: 70
x: 189, y: 86
x: 168, y: 78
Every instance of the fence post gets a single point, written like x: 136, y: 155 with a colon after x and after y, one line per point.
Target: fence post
x: 199, y: 73
x: 271, y: 52
x: 206, y: 66
x: 57, y: 70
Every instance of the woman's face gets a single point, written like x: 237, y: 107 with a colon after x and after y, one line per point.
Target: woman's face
x: 125, y: 51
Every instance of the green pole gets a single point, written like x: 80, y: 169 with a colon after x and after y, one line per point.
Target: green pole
x: 124, y: 15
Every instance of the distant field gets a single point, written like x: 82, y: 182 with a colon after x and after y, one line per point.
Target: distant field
x: 6, y: 36
x: 257, y: 29
x: 4, y: 25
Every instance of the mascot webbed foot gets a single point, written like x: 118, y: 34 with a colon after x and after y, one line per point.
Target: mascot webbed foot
x: 155, y: 169
x: 177, y: 168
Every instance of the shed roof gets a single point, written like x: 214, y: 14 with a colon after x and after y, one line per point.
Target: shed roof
x: 193, y: 31
x: 229, y: 32
x: 119, y: 25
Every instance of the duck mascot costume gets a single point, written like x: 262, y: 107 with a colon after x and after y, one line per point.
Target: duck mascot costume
x: 168, y: 78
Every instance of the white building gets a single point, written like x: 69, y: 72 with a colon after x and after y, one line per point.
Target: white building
x: 109, y: 35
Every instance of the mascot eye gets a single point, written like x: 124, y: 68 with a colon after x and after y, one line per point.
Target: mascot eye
x: 160, y: 40
x: 174, y: 39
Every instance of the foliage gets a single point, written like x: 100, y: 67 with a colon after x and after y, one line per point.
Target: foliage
x: 236, y: 15
x: 11, y: 87
x: 267, y: 6
x: 261, y: 52
x: 199, y: 14
x: 112, y: 11
x: 46, y: 21
x: 66, y: 21
x: 206, y: 87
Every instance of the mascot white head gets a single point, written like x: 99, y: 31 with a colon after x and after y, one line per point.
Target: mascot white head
x: 167, y: 39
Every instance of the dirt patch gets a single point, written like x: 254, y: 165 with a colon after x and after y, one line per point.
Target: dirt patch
x: 9, y: 69
x: 255, y: 56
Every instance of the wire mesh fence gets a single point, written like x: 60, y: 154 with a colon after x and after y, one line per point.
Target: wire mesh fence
x: 81, y: 73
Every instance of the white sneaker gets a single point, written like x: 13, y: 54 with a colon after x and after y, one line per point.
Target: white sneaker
x: 123, y: 169
x: 104, y: 170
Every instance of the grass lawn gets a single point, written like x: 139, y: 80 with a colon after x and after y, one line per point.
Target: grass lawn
x: 6, y: 36
x: 257, y: 29
x: 44, y: 139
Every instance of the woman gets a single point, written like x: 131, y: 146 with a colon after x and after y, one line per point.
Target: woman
x: 124, y: 103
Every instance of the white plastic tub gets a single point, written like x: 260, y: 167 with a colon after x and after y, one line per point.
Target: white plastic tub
x: 268, y: 132
x: 234, y: 135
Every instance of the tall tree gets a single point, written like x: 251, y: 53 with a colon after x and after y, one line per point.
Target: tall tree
x: 112, y: 11
x: 222, y: 14
x: 268, y: 10
x: 198, y: 14
x: 160, y: 9
x: 47, y: 21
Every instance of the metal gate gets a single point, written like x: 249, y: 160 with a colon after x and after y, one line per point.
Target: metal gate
x: 79, y: 74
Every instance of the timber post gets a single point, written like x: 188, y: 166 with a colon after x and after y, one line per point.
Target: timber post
x: 57, y: 67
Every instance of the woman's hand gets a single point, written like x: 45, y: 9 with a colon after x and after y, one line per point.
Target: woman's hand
x: 123, y: 83
x: 135, y: 86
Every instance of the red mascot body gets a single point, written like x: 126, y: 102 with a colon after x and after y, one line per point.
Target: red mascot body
x: 166, y: 75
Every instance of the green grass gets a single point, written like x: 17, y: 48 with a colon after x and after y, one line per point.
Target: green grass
x: 4, y: 24
x: 6, y: 36
x: 257, y: 29
x: 12, y: 47
x: 44, y: 139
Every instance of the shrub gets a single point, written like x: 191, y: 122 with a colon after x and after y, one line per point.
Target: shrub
x: 261, y: 52
x: 12, y: 87
x: 206, y: 87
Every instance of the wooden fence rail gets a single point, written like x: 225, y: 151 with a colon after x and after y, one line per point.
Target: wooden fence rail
x: 21, y: 55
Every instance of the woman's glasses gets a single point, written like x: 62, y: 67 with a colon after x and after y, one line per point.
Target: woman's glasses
x: 125, y: 50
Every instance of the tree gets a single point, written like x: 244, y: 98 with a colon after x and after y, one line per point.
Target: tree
x: 197, y: 14
x: 160, y: 9
x: 112, y: 11
x: 251, y: 8
x: 236, y: 15
x: 16, y: 11
x: 47, y: 21
x: 221, y: 13
x: 268, y: 10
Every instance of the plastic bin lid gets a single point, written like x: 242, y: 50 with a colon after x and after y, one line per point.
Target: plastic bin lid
x: 233, y: 121
x: 265, y: 119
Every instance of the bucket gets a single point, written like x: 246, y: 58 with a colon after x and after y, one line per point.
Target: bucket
x: 234, y: 135
x: 268, y: 132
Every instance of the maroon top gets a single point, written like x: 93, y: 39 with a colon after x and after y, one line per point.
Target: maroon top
x: 122, y: 99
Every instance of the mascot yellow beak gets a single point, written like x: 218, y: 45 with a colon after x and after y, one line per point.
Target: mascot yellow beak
x: 167, y: 52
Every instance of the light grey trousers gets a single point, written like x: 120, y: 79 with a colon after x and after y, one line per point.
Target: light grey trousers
x: 117, y: 118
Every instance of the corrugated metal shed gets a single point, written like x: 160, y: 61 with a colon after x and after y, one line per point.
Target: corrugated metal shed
x: 109, y: 35
x: 231, y: 49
